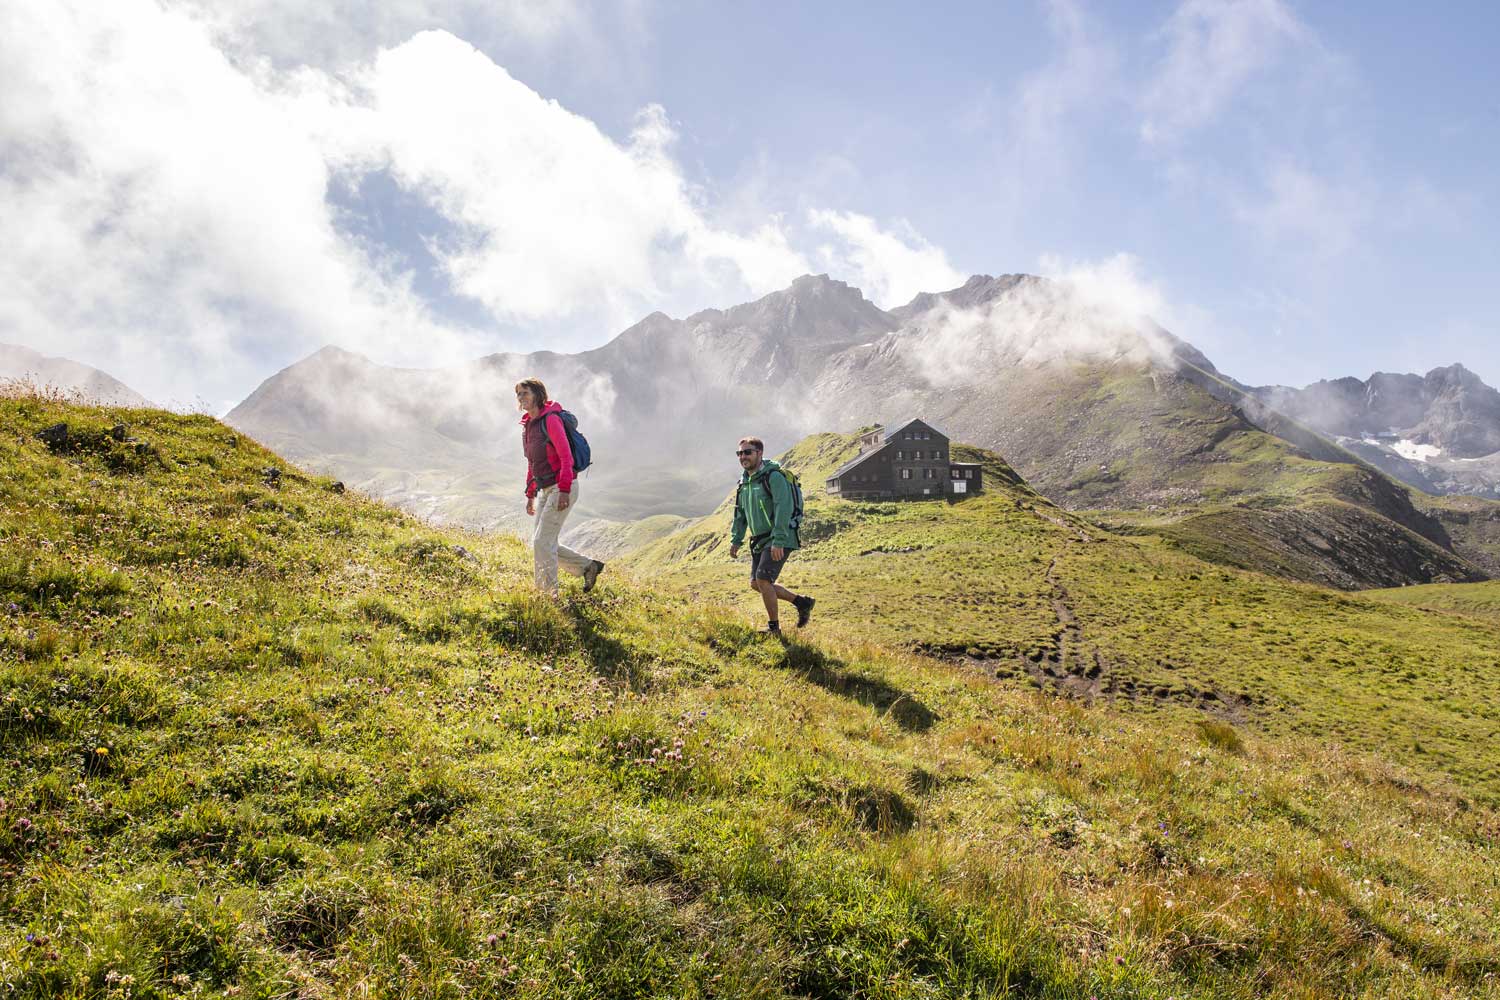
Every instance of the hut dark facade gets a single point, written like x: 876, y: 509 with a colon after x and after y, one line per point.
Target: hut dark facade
x: 911, y: 460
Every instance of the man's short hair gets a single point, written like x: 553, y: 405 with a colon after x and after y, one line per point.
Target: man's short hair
x: 755, y: 443
x: 535, y: 387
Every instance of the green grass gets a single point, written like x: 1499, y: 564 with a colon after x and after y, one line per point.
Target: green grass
x: 272, y: 740
x: 606, y: 539
x: 1163, y: 456
x: 1152, y: 627
x: 1478, y: 600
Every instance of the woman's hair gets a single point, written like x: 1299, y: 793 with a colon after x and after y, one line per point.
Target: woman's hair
x: 535, y: 387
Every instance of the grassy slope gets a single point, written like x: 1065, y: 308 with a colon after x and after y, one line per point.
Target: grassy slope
x: 1477, y: 600
x: 1163, y: 456
x: 1005, y: 579
x: 270, y: 740
x: 606, y: 539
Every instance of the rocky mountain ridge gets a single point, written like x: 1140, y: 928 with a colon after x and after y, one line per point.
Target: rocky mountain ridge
x: 1439, y: 432
x: 1096, y: 408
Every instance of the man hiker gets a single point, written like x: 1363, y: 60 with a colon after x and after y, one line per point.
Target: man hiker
x: 551, y: 489
x: 764, y: 506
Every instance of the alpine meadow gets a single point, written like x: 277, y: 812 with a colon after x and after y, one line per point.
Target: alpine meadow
x: 588, y: 500
x: 266, y: 737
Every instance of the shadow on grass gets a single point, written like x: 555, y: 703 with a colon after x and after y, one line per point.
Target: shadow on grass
x: 609, y: 657
x: 831, y: 675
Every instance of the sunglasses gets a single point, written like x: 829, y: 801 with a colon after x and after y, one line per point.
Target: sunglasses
x: 745, y: 451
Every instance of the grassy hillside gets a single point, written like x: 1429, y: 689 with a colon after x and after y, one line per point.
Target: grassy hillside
x: 1015, y: 586
x: 1477, y: 600
x: 265, y: 739
x: 604, y: 539
x: 1178, y: 455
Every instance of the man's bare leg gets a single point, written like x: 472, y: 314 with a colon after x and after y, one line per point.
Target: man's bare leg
x: 768, y: 593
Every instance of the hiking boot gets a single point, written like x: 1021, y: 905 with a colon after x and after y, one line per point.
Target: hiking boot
x: 591, y: 574
x: 804, y: 606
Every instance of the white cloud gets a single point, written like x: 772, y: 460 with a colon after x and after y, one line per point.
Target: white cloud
x: 1080, y: 78
x: 166, y: 216
x: 1214, y: 47
x: 889, y: 267
x: 159, y: 209
x: 338, y: 32
x: 1299, y: 208
x: 1099, y: 311
x: 557, y: 219
x: 1113, y: 289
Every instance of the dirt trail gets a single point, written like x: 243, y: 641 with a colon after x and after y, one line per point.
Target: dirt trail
x: 1076, y: 667
x: 1070, y: 664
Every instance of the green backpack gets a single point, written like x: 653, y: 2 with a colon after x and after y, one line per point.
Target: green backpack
x: 796, y: 484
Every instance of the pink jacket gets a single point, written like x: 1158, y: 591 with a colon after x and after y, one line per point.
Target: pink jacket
x: 549, y: 457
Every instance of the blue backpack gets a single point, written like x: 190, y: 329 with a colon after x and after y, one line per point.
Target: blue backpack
x: 579, y: 444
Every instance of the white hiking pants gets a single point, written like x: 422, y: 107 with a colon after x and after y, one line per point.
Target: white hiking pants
x: 545, y: 549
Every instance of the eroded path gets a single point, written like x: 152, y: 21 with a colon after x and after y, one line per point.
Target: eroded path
x: 1077, y: 667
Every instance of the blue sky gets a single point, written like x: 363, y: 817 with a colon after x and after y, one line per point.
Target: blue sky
x: 202, y: 192
x: 1388, y: 113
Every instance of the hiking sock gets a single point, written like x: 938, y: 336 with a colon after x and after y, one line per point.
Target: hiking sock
x: 773, y: 625
x: 804, y: 606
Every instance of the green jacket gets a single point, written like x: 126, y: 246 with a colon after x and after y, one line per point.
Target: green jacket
x: 767, y: 518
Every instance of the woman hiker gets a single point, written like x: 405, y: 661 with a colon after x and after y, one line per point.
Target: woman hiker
x: 551, y: 489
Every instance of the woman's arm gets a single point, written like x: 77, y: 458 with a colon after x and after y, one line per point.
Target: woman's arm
x: 557, y: 434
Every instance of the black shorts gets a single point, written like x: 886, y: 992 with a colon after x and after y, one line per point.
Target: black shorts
x: 763, y: 567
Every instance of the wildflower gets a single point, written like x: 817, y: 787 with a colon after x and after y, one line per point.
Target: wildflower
x: 102, y: 751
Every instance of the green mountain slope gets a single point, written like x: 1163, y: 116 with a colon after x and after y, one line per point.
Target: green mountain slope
x: 265, y: 739
x: 1251, y: 489
x: 1013, y: 585
x: 1478, y: 600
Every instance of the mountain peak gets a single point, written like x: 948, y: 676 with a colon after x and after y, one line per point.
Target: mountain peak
x: 18, y: 362
x: 822, y: 286
x: 978, y: 290
x: 336, y: 354
x: 1454, y: 374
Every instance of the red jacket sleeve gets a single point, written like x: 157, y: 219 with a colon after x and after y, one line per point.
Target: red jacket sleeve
x: 557, y: 434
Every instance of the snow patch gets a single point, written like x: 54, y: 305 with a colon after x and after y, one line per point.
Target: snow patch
x: 1413, y: 452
